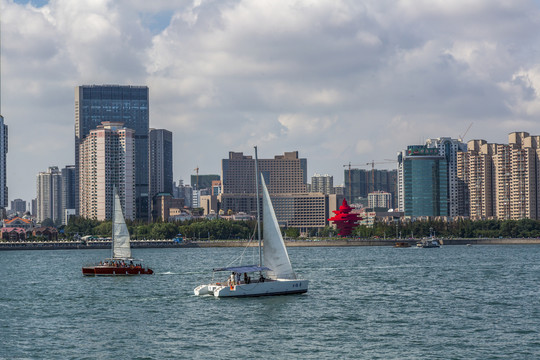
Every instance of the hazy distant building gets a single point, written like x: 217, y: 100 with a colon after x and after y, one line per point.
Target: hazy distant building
x: 322, y: 183
x: 3, y: 163
x: 160, y: 163
x: 95, y: 104
x: 184, y: 192
x: 107, y: 160
x: 380, y: 199
x: 18, y: 206
x: 49, y: 195
x: 360, y: 182
x: 422, y: 182
x: 166, y: 206
x: 203, y: 181
x: 216, y: 187
x: 69, y: 188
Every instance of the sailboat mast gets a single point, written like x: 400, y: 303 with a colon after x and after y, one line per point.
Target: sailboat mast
x: 112, y: 223
x: 258, y: 205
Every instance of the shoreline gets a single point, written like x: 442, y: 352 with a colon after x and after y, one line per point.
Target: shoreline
x: 78, y: 245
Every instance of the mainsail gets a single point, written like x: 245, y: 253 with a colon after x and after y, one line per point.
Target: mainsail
x: 120, y: 236
x: 275, y: 252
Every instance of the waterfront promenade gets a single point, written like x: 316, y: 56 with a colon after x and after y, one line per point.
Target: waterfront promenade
x: 336, y: 242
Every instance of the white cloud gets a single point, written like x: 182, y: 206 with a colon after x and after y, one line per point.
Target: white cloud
x: 338, y: 80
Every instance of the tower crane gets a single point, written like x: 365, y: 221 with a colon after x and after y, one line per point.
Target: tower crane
x: 461, y: 137
x: 197, y: 171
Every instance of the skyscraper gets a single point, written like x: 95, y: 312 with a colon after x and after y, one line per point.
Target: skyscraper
x: 49, y: 195
x: 160, y: 164
x: 422, y: 182
x: 68, y: 191
x: 449, y: 148
x: 95, y: 104
x: 3, y: 164
x: 107, y: 160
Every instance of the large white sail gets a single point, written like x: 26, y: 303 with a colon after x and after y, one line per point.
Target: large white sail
x: 121, y: 246
x: 275, y: 253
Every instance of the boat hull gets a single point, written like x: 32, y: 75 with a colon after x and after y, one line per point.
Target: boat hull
x: 115, y: 271
x: 267, y: 288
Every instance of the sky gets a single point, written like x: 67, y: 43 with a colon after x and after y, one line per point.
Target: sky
x: 339, y: 81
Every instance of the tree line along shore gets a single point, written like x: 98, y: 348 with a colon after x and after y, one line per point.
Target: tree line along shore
x: 203, y: 229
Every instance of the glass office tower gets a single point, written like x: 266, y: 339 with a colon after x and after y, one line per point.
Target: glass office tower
x: 423, y: 188
x: 128, y: 104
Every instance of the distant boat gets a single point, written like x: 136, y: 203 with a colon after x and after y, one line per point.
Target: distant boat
x: 432, y: 243
x: 121, y: 262
x: 275, y: 277
x: 402, y: 244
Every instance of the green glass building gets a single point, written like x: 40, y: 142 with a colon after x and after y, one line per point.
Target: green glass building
x: 423, y: 187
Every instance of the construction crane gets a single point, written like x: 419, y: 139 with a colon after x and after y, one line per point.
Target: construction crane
x: 372, y: 163
x: 197, y: 170
x: 461, y: 137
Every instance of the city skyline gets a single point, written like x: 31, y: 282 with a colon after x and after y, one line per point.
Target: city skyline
x: 337, y: 81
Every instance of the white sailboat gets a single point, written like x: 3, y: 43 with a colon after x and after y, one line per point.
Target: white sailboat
x: 275, y: 277
x: 121, y: 262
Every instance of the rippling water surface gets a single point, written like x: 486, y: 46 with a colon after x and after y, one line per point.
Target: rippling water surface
x: 455, y: 302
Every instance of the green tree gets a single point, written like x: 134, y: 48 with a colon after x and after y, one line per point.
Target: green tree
x: 47, y: 223
x: 292, y: 232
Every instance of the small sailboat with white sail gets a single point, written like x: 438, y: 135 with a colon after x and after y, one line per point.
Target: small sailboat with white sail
x: 273, y: 275
x: 121, y: 262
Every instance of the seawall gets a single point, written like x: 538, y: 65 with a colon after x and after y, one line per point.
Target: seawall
x: 67, y: 245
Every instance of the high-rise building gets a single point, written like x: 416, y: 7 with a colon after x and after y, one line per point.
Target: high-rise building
x: 285, y: 177
x: 18, y: 206
x: 322, y: 183
x: 161, y: 165
x: 200, y: 182
x: 422, y: 182
x: 69, y: 187
x: 107, y: 160
x: 3, y: 164
x: 95, y: 104
x: 360, y: 182
x: 502, y: 180
x: 283, y: 174
x: 449, y: 148
x: 49, y: 195
x: 380, y: 199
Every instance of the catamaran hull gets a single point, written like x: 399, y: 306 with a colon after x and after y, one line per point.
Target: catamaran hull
x: 267, y: 288
x: 115, y: 271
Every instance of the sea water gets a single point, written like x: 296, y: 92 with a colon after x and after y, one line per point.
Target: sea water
x: 455, y: 302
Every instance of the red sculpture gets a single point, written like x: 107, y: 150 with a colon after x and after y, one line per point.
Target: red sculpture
x: 344, y: 220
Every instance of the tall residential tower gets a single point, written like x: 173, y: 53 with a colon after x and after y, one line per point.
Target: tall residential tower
x: 107, y: 160
x: 95, y: 104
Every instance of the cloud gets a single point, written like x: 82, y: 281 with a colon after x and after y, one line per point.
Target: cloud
x: 337, y: 80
